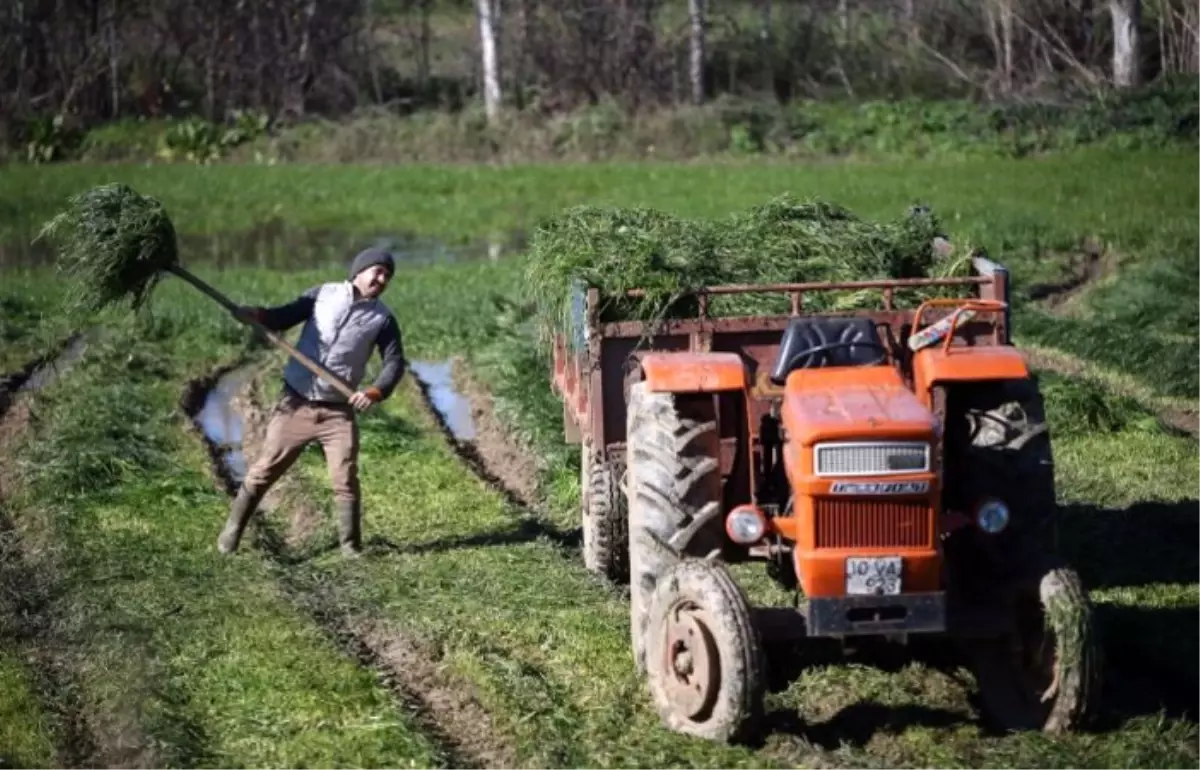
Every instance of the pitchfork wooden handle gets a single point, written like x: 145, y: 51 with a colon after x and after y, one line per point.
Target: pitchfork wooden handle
x: 307, y: 362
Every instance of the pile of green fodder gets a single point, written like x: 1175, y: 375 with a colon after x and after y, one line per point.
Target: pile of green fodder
x: 112, y: 242
x: 782, y: 241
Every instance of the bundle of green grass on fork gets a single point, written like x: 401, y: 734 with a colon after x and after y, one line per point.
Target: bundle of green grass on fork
x: 115, y: 244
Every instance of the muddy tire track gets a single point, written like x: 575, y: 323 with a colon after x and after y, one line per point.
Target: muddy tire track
x: 1091, y: 264
x: 496, y: 458
x: 1175, y: 419
x: 444, y: 709
x: 29, y: 618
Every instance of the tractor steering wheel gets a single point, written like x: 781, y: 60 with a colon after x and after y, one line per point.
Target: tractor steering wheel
x: 819, y: 354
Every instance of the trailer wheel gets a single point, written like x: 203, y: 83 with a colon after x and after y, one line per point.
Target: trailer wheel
x: 706, y: 664
x: 605, y: 532
x: 673, y: 479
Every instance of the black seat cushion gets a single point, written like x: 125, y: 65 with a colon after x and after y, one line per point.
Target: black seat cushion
x: 810, y: 342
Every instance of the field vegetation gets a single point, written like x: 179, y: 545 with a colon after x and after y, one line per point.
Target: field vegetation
x: 284, y: 136
x: 471, y: 634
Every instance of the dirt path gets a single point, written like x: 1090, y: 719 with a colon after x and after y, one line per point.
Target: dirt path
x: 445, y: 708
x: 1092, y: 264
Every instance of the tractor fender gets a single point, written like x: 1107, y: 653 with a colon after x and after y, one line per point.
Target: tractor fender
x: 934, y: 365
x: 686, y: 372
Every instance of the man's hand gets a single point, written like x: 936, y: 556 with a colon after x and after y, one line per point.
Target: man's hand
x: 362, y: 400
x: 247, y: 314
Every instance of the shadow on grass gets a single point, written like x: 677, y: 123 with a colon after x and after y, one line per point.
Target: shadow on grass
x: 858, y: 723
x: 1150, y: 651
x: 524, y: 531
x: 1144, y: 544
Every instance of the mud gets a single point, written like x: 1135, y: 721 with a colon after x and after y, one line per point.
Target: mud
x: 446, y: 710
x: 1091, y: 264
x: 444, y: 704
x: 492, y: 454
x: 40, y: 372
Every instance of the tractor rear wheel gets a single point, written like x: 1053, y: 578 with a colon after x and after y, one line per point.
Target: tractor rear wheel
x: 674, y: 478
x: 705, y: 661
x: 1044, y: 673
x: 605, y: 532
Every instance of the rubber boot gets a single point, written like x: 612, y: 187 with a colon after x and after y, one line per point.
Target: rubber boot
x: 239, y: 515
x: 349, y: 526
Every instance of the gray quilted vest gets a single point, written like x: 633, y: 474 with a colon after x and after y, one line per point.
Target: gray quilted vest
x: 340, y: 334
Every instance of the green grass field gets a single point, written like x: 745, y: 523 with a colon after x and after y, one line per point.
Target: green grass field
x: 148, y: 648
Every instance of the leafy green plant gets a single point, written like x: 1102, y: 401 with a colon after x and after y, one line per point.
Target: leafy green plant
x: 200, y: 141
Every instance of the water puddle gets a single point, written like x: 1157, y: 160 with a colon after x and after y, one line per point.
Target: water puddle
x: 277, y: 246
x: 455, y: 409
x: 44, y: 374
x: 223, y: 425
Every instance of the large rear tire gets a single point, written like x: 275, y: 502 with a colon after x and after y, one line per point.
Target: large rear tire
x: 1044, y: 673
x: 605, y: 528
x: 706, y: 664
x: 674, y: 478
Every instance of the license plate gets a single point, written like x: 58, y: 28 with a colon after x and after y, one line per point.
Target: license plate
x: 873, y: 575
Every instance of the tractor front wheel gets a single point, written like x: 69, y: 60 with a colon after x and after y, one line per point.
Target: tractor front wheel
x: 704, y: 659
x: 1044, y: 673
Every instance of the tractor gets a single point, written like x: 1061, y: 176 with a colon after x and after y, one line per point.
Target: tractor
x: 891, y: 468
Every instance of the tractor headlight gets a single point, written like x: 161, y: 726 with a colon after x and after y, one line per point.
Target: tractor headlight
x: 992, y: 516
x: 745, y: 525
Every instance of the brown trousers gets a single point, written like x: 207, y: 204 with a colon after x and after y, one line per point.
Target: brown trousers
x: 294, y: 423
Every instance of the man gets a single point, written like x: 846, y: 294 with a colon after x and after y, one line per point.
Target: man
x: 343, y: 321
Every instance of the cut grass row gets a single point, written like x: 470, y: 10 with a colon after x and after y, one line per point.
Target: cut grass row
x: 545, y: 646
x: 173, y: 655
x: 1122, y: 481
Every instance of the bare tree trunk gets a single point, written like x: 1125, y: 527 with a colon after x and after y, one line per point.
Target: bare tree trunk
x: 1125, y: 17
x: 490, y: 57
x: 372, y: 64
x: 844, y: 20
x: 1087, y: 13
x: 523, y: 31
x: 913, y: 32
x: 426, y: 34
x: 1006, y: 36
x: 766, y: 35
x: 696, y: 64
x: 114, y: 66
x: 23, y: 56
x: 210, y: 71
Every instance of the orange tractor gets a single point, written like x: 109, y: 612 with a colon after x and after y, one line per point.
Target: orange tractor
x: 891, y: 467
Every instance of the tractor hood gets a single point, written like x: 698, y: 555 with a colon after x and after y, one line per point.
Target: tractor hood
x: 849, y: 403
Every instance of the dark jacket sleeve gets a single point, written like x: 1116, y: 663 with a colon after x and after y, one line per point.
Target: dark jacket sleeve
x: 391, y: 350
x: 283, y: 317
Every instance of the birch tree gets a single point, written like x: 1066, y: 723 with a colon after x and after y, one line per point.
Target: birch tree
x: 696, y: 68
x: 1125, y: 17
x: 488, y: 14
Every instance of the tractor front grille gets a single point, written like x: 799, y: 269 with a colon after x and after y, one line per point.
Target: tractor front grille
x: 860, y: 523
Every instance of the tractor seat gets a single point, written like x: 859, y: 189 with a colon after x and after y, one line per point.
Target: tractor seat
x: 811, y: 342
